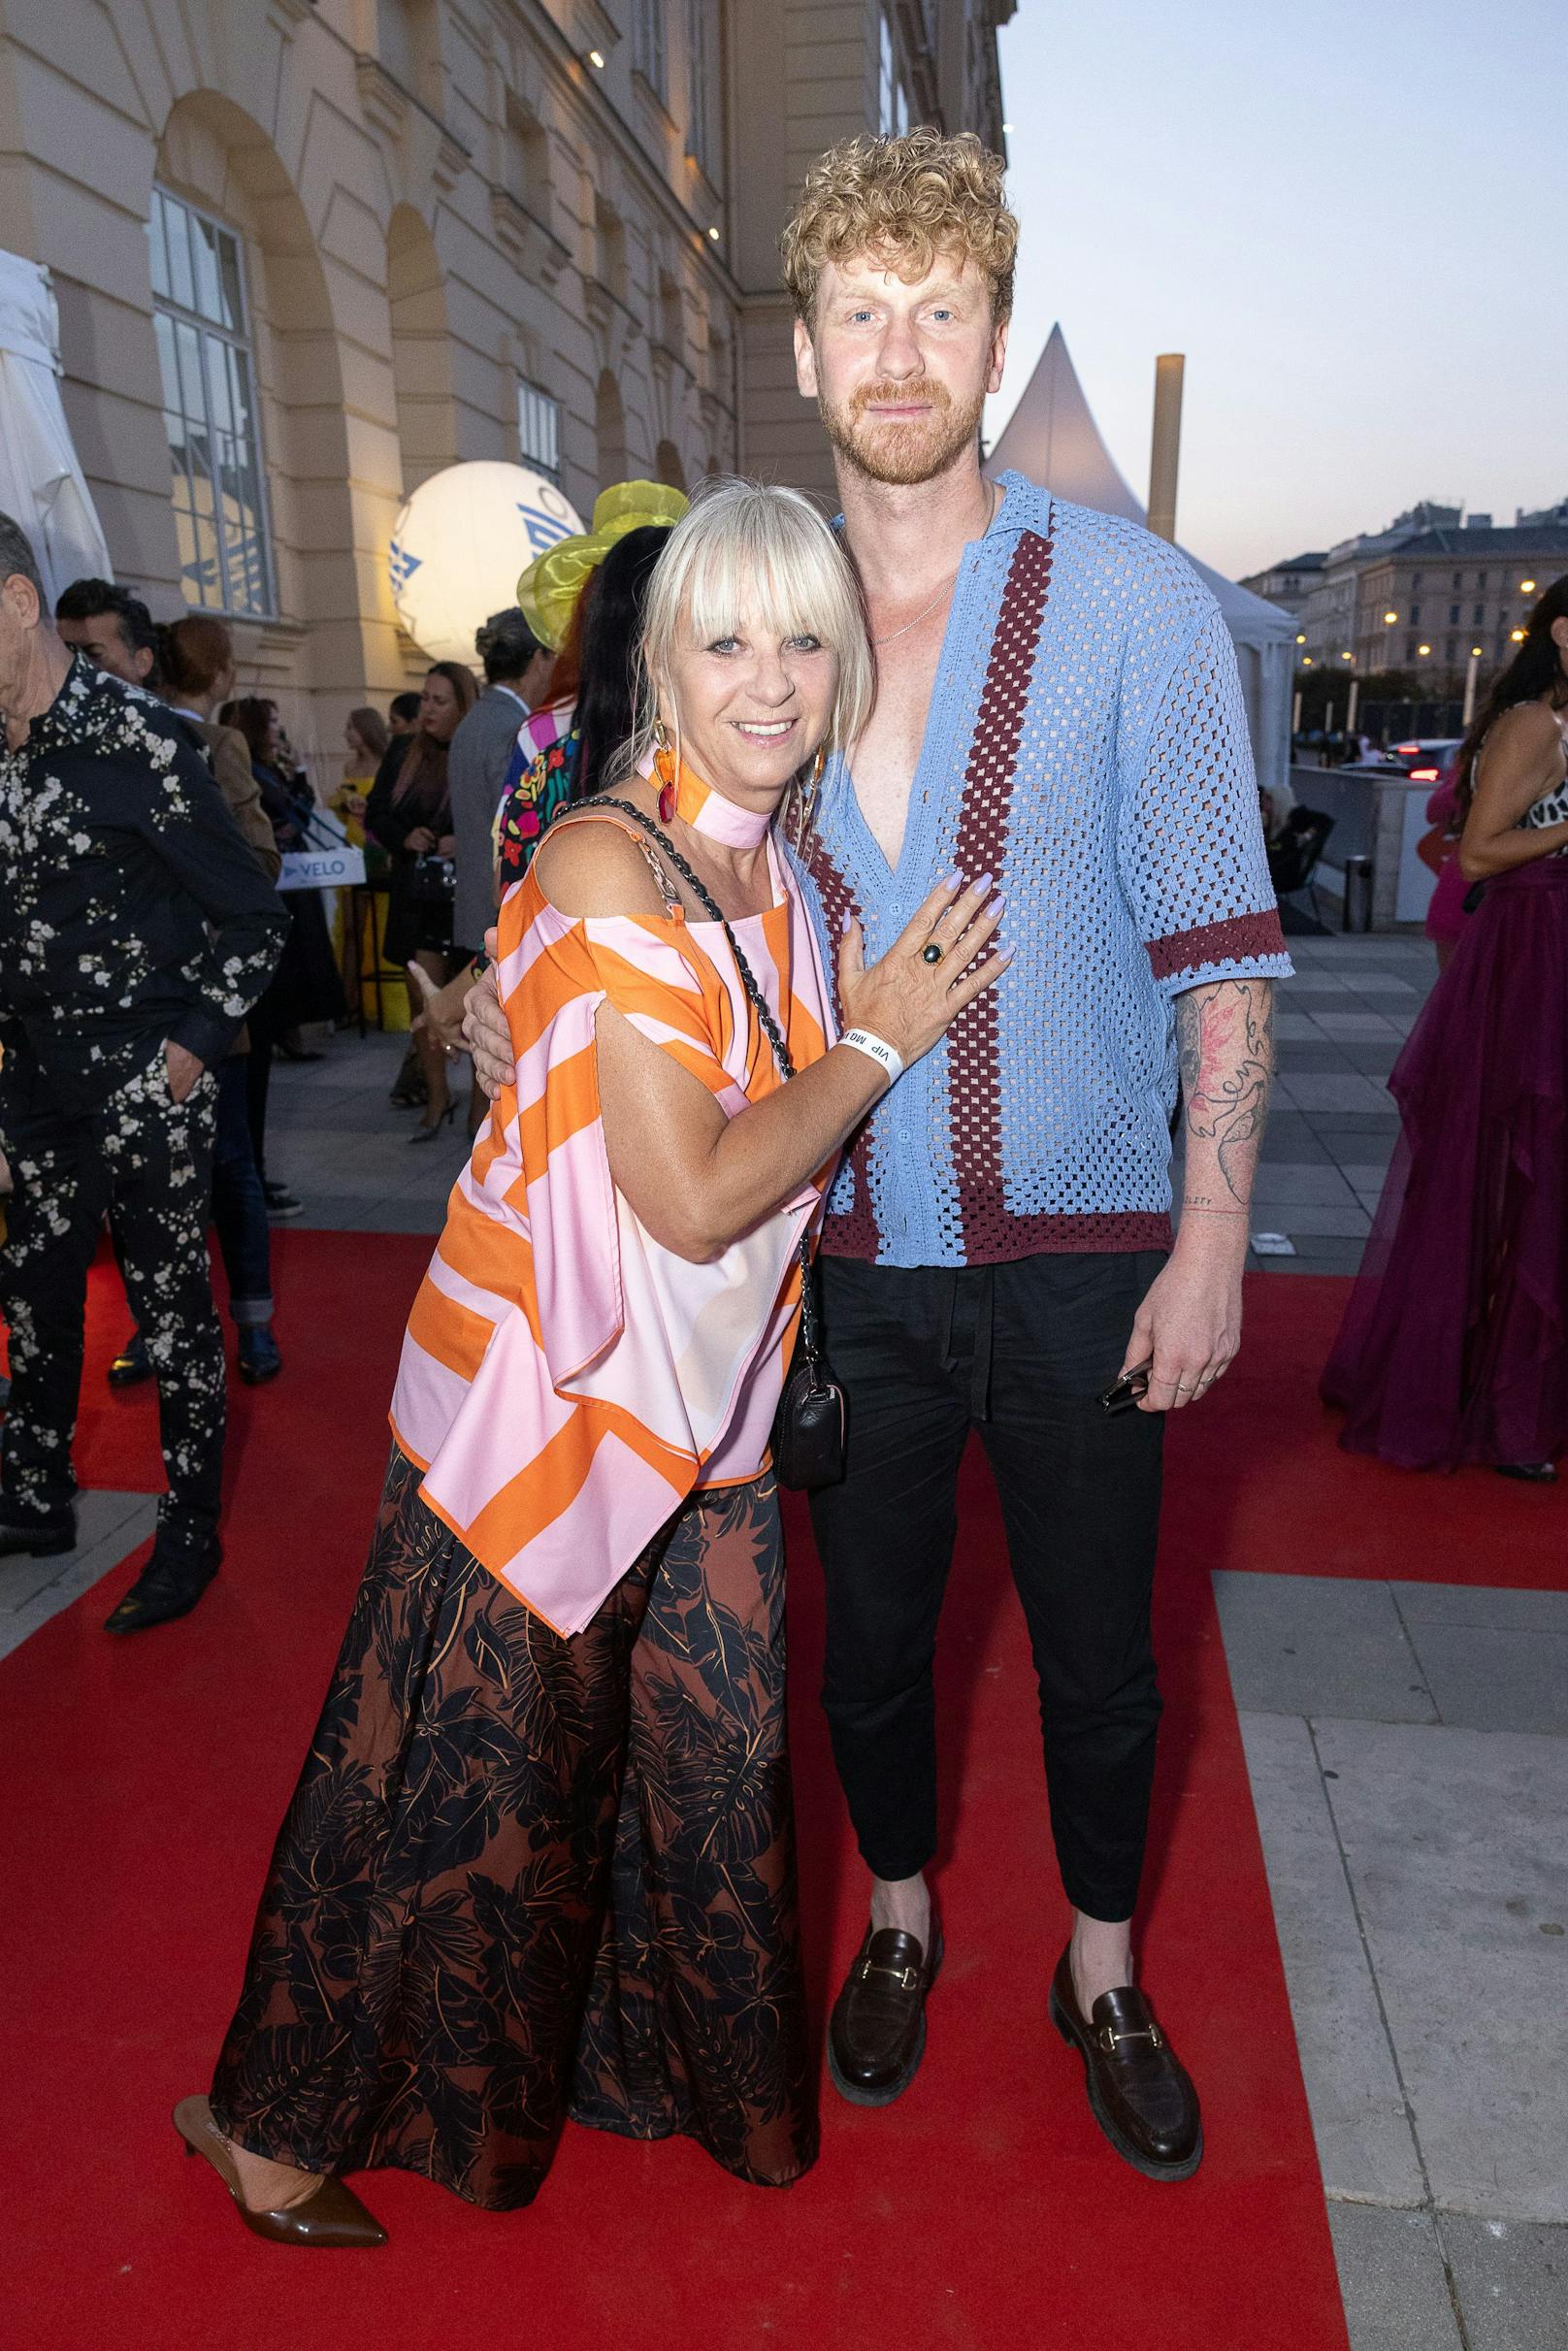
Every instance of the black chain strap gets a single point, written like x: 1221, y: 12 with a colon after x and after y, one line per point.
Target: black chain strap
x: 810, y: 1334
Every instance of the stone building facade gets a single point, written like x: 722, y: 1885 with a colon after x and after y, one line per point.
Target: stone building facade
x: 307, y: 252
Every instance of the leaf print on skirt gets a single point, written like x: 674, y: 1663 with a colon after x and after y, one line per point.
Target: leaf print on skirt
x: 524, y: 1876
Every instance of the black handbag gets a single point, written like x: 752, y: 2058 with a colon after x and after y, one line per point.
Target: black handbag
x: 432, y: 880
x: 808, y: 1433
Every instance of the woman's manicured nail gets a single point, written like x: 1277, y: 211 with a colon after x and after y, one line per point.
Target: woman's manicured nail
x: 843, y: 925
x: 984, y: 882
x: 998, y: 902
x: 953, y: 880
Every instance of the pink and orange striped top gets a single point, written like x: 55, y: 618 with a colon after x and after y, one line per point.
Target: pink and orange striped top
x: 566, y: 1381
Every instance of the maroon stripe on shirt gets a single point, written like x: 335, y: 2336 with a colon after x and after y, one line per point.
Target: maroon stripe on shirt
x: 1237, y: 940
x: 973, y: 1054
x: 854, y: 1233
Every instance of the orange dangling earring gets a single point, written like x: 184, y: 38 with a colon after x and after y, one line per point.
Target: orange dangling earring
x: 667, y: 792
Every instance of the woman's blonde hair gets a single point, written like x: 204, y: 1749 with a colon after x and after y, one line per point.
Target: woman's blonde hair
x: 752, y: 543
x: 904, y: 201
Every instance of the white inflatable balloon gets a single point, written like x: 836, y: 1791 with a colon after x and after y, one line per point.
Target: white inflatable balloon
x: 459, y: 543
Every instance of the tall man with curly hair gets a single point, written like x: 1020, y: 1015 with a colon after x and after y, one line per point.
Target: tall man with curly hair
x: 1056, y: 708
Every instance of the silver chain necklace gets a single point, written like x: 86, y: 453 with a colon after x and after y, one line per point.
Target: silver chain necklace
x: 947, y: 586
x: 946, y: 589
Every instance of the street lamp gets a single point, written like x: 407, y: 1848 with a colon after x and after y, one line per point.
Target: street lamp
x: 1527, y: 587
x: 1515, y: 636
x: 1471, y: 674
x: 1300, y: 637
x: 1346, y: 657
x: 1388, y: 619
x: 1424, y: 650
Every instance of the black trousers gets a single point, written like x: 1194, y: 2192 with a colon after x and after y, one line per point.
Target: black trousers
x: 1020, y: 1352
x: 149, y: 1159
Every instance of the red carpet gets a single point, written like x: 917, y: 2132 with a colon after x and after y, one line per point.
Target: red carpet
x: 145, y: 1780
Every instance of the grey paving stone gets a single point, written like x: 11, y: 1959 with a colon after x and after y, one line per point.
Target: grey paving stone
x: 1319, y: 1645
x: 1292, y: 1026
x: 332, y: 1214
x: 1315, y: 1057
x: 1365, y: 1175
x: 1424, y: 1604
x: 1385, y: 984
x: 1512, y: 2283
x: 1336, y: 1126
x: 1491, y: 1679
x: 1346, y: 1220
x: 1342, y: 1091
x: 1278, y: 1184
x: 1454, y: 1842
x: 1353, y: 1024
x: 1393, y: 2279
x: 1365, y: 2146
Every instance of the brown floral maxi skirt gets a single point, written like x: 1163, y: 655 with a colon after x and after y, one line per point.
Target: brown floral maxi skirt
x: 523, y: 1876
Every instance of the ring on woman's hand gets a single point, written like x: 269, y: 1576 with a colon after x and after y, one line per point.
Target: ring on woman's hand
x: 931, y: 952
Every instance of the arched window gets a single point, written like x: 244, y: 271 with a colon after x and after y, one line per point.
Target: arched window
x: 206, y: 360
x: 668, y: 466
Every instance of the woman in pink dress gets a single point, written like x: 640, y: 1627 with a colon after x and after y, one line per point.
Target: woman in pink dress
x: 1454, y: 1346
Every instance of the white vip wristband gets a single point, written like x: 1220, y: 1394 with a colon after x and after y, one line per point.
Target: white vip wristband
x: 876, y: 1049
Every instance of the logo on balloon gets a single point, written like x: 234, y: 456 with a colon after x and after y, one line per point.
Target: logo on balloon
x: 545, y: 530
x: 401, y: 565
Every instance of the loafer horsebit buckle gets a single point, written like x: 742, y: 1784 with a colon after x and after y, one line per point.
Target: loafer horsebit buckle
x: 1108, y: 2036
x: 906, y: 1979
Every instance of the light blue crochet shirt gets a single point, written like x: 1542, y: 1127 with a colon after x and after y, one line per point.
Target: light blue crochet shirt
x: 1086, y: 743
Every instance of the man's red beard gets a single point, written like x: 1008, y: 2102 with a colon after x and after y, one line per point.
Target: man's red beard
x: 911, y: 452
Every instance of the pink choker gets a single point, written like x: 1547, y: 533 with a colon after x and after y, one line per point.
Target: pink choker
x: 707, y: 811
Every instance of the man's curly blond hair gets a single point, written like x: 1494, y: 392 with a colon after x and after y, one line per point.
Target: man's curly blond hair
x: 904, y: 201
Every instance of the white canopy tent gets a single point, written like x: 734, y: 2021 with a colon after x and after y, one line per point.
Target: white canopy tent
x: 42, y: 485
x: 1052, y: 438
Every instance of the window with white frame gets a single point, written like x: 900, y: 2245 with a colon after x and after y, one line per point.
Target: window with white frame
x: 210, y: 409
x: 648, y: 44
x: 700, y: 65
x: 884, y: 78
x: 538, y: 430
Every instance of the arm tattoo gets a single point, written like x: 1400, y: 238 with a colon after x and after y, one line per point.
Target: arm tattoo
x: 1224, y: 1035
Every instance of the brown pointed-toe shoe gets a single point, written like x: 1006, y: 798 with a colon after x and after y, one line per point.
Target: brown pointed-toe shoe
x: 330, y: 2215
x: 876, y: 2038
x: 1139, y: 2092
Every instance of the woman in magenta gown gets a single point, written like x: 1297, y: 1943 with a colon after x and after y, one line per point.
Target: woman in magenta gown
x: 1454, y: 1346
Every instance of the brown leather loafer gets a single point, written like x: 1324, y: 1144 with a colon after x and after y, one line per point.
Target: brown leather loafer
x: 330, y: 2215
x: 1139, y: 2092
x: 877, y: 2035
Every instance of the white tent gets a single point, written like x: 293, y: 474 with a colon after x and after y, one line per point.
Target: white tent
x: 1052, y: 438
x: 42, y: 486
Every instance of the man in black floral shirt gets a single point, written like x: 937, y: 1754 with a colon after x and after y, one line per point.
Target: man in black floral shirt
x: 136, y: 932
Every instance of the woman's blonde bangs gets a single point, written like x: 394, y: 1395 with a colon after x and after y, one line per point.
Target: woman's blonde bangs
x: 751, y: 545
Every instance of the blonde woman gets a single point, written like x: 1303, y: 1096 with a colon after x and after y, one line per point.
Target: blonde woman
x: 541, y: 1858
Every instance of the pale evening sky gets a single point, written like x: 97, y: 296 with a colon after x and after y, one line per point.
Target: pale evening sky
x: 1349, y: 219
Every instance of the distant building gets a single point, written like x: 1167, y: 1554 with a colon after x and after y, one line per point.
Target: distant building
x: 1288, y: 584
x: 1431, y: 587
x: 307, y: 252
x: 1529, y: 522
x: 1449, y: 590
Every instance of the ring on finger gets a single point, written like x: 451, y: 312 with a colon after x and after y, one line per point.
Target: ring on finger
x: 933, y: 952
